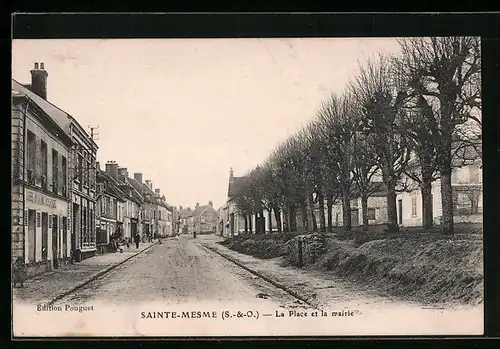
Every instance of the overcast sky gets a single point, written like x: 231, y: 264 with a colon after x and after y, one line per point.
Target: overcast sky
x: 184, y: 111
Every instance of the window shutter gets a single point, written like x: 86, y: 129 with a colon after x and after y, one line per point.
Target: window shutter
x: 38, y: 219
x: 61, y: 223
x: 50, y: 221
x: 38, y: 158
x: 25, y: 217
x: 59, y: 173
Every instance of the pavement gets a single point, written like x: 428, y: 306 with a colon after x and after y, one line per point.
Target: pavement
x: 52, y: 285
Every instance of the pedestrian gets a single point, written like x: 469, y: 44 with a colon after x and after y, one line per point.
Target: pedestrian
x: 19, y: 271
x: 137, y: 239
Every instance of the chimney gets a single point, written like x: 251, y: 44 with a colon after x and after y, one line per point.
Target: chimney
x: 163, y: 197
x: 211, y: 204
x: 39, y: 80
x: 138, y: 177
x: 231, y: 173
x: 123, y: 173
x: 157, y: 192
x: 98, y: 165
x: 149, y: 184
x: 112, y: 169
x: 197, y: 204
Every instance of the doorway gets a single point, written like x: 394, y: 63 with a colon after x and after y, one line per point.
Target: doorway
x: 55, y: 241
x: 31, y: 236
x: 355, y: 217
x: 65, y: 237
x: 45, y: 235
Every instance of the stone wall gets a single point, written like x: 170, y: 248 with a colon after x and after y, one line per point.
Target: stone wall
x: 313, y: 245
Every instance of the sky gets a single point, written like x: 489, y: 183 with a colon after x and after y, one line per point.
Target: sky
x: 185, y: 111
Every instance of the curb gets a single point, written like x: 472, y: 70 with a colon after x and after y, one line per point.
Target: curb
x: 96, y: 275
x: 256, y: 273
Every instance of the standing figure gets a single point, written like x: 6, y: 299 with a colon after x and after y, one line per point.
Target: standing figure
x: 19, y: 271
x: 137, y: 239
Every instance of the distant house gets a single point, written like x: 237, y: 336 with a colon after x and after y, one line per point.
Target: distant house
x: 184, y: 215
x: 467, y: 201
x: 234, y: 221
x: 203, y: 219
x: 109, y: 199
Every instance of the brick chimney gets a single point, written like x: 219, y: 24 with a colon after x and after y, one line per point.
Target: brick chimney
x: 112, y: 169
x: 39, y: 80
x: 149, y: 184
x: 122, y: 173
x: 231, y: 173
x: 98, y: 165
x: 197, y: 204
x: 211, y: 204
x: 138, y: 177
x: 157, y: 192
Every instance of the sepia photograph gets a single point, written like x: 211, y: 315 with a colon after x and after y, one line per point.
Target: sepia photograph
x: 185, y: 187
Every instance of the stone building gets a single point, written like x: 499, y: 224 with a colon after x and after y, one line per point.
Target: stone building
x: 40, y: 178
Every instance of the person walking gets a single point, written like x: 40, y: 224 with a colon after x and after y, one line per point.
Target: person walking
x: 137, y: 239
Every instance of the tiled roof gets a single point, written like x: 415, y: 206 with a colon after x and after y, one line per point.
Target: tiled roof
x: 111, y: 185
x: 200, y: 210
x: 237, y: 186
x: 58, y: 115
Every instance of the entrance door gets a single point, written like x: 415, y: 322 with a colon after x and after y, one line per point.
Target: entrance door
x: 55, y: 240
x: 45, y: 235
x: 400, y: 211
x: 355, y: 217
x: 65, y: 237
x: 31, y: 236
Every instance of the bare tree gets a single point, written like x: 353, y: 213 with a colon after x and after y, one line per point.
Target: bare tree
x: 382, y: 96
x: 446, y: 69
x: 336, y: 127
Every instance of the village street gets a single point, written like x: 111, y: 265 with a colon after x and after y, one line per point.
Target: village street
x: 179, y: 271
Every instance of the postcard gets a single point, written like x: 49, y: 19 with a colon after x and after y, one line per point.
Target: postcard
x: 247, y: 187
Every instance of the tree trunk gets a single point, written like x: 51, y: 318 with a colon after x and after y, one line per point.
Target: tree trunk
x: 346, y: 209
x: 329, y: 204
x: 447, y: 100
x: 364, y: 208
x: 321, y: 201
x: 250, y: 223
x: 311, y: 226
x: 277, y: 216
x: 262, y: 222
x: 302, y: 228
x: 426, y: 191
x: 293, y: 219
x: 392, y: 213
x: 447, y: 203
x: 246, y: 223
x: 270, y: 221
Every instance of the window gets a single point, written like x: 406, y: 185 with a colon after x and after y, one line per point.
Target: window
x: 64, y: 171
x: 44, y: 158
x: 79, y: 170
x: 414, y: 207
x: 31, y: 152
x: 371, y: 214
x: 55, y: 171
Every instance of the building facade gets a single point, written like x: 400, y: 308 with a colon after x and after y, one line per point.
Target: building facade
x: 40, y: 195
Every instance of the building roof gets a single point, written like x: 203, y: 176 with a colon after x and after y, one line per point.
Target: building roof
x: 20, y: 91
x: 237, y: 186
x: 200, y: 210
x: 111, y: 185
x: 59, y: 116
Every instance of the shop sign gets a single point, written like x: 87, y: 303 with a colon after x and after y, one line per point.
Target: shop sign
x: 40, y: 199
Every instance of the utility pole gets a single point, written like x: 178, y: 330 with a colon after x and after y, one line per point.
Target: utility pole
x: 94, y: 133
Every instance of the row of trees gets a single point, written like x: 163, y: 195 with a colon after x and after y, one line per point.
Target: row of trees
x: 405, y: 119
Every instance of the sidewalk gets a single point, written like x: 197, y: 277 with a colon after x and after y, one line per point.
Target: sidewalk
x: 314, y: 287
x: 58, y: 282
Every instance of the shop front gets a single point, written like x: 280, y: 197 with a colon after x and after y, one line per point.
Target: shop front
x: 47, y: 242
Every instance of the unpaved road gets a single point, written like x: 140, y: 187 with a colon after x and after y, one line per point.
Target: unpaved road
x: 180, y: 275
x: 180, y: 272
